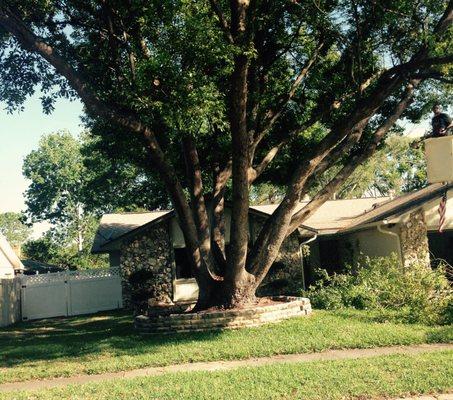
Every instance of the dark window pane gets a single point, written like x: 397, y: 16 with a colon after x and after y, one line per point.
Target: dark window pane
x: 183, y: 269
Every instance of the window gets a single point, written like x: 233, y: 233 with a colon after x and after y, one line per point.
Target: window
x: 183, y: 270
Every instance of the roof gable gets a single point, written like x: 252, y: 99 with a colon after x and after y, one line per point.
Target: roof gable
x: 114, y: 226
x: 8, y: 258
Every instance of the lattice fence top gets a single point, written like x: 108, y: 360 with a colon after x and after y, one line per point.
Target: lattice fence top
x: 63, y: 276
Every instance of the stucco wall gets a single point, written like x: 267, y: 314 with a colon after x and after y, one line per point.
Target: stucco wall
x: 178, y: 238
x: 371, y: 243
x: 407, y: 239
x: 6, y: 269
x: 9, y: 261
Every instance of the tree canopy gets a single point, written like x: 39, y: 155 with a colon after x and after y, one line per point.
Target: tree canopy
x: 211, y: 92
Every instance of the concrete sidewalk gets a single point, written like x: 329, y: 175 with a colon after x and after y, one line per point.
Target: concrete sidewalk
x: 227, y: 365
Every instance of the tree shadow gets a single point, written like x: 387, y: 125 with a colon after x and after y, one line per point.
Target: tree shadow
x: 111, y: 332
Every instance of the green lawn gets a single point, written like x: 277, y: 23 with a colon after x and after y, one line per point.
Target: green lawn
x: 397, y: 375
x: 104, y: 343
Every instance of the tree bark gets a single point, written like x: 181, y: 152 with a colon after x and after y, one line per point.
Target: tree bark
x: 12, y: 23
x: 238, y: 282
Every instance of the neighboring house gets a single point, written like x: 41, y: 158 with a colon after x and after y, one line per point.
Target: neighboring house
x: 338, y: 232
x: 9, y: 261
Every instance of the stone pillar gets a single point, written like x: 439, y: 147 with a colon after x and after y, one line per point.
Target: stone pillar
x: 149, y: 255
x: 286, y: 275
x: 414, y: 239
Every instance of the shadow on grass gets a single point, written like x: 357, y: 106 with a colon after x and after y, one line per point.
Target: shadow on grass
x: 112, y: 334
x: 83, y: 336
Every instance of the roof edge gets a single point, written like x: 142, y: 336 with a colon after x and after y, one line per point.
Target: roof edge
x: 398, y: 210
x: 132, y: 233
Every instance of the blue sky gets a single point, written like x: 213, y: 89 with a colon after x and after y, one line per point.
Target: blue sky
x: 19, y: 134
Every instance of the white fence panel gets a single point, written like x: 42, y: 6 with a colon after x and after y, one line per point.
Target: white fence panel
x: 95, y: 294
x: 70, y: 293
x: 45, y: 300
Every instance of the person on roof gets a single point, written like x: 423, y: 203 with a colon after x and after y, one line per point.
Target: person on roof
x: 441, y: 123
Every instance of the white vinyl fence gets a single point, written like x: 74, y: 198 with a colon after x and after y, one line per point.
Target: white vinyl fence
x: 9, y: 301
x: 70, y: 293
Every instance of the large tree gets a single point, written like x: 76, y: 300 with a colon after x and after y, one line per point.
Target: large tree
x: 57, y: 181
x: 209, y: 92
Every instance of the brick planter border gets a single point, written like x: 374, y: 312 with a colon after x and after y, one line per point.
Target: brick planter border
x: 287, y: 307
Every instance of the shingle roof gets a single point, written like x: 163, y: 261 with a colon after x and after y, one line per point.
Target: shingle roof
x: 112, y: 226
x: 333, y: 214
x: 400, y: 204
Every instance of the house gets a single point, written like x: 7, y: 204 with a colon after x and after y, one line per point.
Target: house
x: 153, y: 241
x: 10, y: 263
x: 337, y: 234
x: 377, y: 227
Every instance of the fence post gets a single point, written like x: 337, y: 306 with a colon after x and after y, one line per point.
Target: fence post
x: 67, y: 277
x: 10, y: 304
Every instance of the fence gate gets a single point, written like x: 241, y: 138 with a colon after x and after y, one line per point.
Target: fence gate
x: 70, y: 293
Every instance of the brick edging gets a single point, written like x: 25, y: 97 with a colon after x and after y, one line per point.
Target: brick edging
x: 289, y: 306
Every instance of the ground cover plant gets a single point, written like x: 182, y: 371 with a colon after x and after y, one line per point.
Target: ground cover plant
x: 415, y: 293
x: 376, y: 377
x: 108, y: 342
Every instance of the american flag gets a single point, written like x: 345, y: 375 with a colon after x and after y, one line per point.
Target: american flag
x: 442, y: 210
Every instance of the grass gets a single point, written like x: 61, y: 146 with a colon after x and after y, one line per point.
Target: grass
x: 387, y: 376
x: 107, y: 343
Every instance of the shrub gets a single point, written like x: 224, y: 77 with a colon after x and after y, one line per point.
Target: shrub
x: 414, y: 293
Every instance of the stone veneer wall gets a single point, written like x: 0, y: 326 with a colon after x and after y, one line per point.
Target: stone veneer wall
x: 414, y: 239
x: 286, y: 275
x: 152, y: 251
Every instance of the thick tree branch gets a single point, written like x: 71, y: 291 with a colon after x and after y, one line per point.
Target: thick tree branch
x: 354, y: 161
x: 436, y: 75
x: 198, y: 204
x: 255, y: 172
x: 12, y: 23
x: 237, y: 278
x: 419, y: 62
x: 222, y: 20
x: 273, y: 114
x: 221, y: 178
